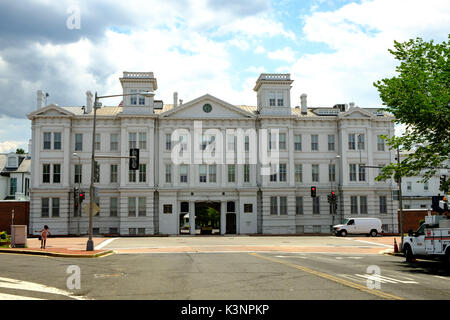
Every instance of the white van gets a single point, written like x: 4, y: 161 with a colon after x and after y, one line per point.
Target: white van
x: 369, y: 226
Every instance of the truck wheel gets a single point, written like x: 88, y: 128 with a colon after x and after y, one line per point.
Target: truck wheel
x: 373, y: 233
x: 408, y: 254
x: 343, y: 233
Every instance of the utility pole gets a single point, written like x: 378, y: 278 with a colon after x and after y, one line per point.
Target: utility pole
x: 399, y: 182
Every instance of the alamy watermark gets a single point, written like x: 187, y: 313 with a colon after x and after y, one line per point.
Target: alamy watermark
x: 373, y: 281
x: 74, y: 279
x: 74, y: 20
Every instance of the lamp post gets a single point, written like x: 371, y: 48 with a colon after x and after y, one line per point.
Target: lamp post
x: 79, y: 189
x: 331, y: 188
x: 90, y: 242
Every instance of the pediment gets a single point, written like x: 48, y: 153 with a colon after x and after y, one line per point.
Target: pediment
x: 356, y: 113
x: 50, y: 111
x: 207, y: 106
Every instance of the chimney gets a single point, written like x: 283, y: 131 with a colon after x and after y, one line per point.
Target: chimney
x: 40, y: 99
x: 303, y: 103
x: 175, y: 99
x: 352, y: 105
x: 89, y: 102
x: 181, y: 102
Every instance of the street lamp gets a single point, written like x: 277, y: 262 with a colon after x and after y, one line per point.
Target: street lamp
x: 79, y: 189
x: 90, y: 242
x: 331, y: 187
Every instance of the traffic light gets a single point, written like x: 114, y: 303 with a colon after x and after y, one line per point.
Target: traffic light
x: 333, y: 196
x: 313, y: 192
x: 134, y: 162
x: 81, y: 196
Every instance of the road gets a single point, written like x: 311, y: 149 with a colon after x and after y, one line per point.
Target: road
x: 189, y: 268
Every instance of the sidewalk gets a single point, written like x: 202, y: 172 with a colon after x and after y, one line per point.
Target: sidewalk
x: 61, y: 247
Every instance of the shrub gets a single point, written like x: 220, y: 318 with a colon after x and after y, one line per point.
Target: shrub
x: 3, y: 235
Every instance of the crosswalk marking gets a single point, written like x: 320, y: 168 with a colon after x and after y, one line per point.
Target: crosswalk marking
x: 4, y: 296
x: 8, y: 283
x: 381, y: 279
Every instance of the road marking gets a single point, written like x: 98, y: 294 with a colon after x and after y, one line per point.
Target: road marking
x: 105, y: 243
x: 36, y: 287
x: 4, y: 296
x: 301, y: 257
x: 440, y: 277
x: 363, y: 241
x: 374, y: 292
x: 384, y: 279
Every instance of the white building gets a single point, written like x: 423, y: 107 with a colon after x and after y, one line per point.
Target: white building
x: 321, y: 147
x: 15, y: 176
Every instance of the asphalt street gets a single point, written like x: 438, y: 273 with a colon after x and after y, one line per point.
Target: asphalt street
x: 244, y: 275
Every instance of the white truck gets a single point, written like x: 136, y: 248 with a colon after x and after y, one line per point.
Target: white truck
x: 430, y: 241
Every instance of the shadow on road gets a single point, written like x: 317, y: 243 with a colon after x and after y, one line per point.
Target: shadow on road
x: 425, y: 267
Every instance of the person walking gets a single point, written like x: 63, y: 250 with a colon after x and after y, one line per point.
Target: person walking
x: 44, y: 233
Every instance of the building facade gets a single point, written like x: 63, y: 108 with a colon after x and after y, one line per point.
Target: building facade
x: 15, y: 176
x: 253, y: 166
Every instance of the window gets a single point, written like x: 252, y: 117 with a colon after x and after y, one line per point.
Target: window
x: 298, y: 205
x: 272, y: 99
x: 132, y: 140
x: 314, y: 142
x: 113, y: 231
x: 212, y: 173
x: 317, y: 229
x: 331, y: 172
x: 383, y: 205
x: 113, y: 207
x: 353, y: 204
x: 141, y: 231
x: 185, y: 207
x: 352, y: 171
x: 78, y: 170
x: 248, y: 208
x: 167, y: 209
x: 131, y: 175
x: 132, y: 231
x: 142, y: 172
x: 133, y: 97
x: 282, y: 172
x: 141, y: 100
x: 27, y: 186
x: 114, y: 143
x: 202, y: 171
x: 273, y: 206
x: 283, y: 205
x: 351, y: 141
x: 55, y: 207
x: 57, y: 140
x: 46, y: 173
x: 361, y: 141
x: 47, y: 140
x: 408, y: 186
x: 247, y: 143
x: 78, y: 142
x: 142, y: 206
x: 280, y: 101
x: 231, y: 173
x: 168, y: 173
x: 183, y: 173
x: 96, y: 231
x: 142, y: 140
x: 168, y: 141
x: 246, y: 172
x: 282, y: 139
x: 56, y: 173
x: 316, y: 205
x: 315, y: 172
x: 12, y: 186
x: 363, y: 204
x: 13, y: 162
x: 131, y: 207
x: 97, y: 141
x: 272, y: 142
x: 425, y: 186
x: 380, y: 143
x: 331, y: 142
x: 362, y: 173
x: 231, y: 142
x: 298, y: 173
x: 45, y: 207
x: 298, y: 142
x: 114, y: 173
x: 273, y: 177
x: 96, y: 172
x: 231, y: 206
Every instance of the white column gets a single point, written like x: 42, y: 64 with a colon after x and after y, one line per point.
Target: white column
x: 66, y: 172
x: 192, y: 217
x: 123, y: 153
x: 36, y: 175
x: 291, y: 167
x: 223, y: 217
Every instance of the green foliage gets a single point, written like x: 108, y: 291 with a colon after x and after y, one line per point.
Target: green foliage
x: 419, y: 97
x: 421, y: 222
x: 3, y: 235
x: 20, y: 151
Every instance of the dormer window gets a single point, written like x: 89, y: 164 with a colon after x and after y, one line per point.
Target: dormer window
x: 12, y: 162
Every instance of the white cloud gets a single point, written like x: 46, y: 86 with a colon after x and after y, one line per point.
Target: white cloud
x: 285, y: 54
x: 360, y: 35
x: 11, y: 146
x: 260, y: 49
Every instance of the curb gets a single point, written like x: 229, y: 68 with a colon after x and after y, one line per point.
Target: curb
x: 391, y: 253
x: 56, y: 254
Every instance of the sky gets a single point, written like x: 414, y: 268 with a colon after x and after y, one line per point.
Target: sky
x: 334, y: 50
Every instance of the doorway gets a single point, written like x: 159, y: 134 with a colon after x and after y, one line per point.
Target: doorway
x: 207, y: 218
x: 231, y: 223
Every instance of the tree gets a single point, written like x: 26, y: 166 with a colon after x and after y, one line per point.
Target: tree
x: 419, y: 97
x: 20, y: 151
